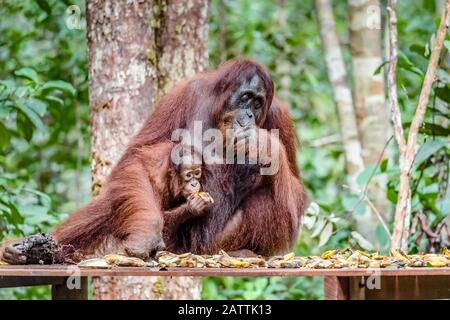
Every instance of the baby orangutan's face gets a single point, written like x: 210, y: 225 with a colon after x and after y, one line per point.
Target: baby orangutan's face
x: 190, y: 177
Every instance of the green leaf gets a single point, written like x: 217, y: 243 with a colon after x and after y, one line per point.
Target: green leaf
x: 392, y: 195
x: 14, y: 217
x: 28, y: 73
x: 38, y: 106
x: 326, y: 234
x: 22, y: 91
x: 360, y: 209
x: 354, y: 204
x: 447, y: 44
x: 313, y: 209
x: 443, y: 93
x: 434, y: 130
x: 419, y: 49
x: 55, y: 100
x: 59, y: 85
x: 318, y: 228
x: 443, y: 75
x: 380, y: 67
x: 383, y: 165
x: 427, y: 150
x: 430, y: 189
x: 362, y: 242
x: 24, y: 126
x: 43, y: 4
x: 31, y: 115
x: 439, y: 113
x: 443, y: 206
x: 45, y: 198
x: 405, y: 63
x: 5, y: 109
x: 5, y: 136
x: 308, y: 221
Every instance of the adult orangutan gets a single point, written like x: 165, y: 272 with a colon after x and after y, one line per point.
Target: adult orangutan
x: 250, y: 211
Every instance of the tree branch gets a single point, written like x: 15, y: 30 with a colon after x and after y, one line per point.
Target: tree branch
x: 408, y: 150
x: 392, y: 76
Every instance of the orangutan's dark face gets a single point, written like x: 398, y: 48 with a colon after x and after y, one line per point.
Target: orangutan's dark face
x: 245, y: 104
x: 190, y: 179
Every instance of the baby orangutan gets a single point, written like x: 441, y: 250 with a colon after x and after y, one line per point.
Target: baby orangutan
x: 186, y: 186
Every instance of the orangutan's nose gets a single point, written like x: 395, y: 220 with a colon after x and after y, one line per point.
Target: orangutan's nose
x: 194, y: 184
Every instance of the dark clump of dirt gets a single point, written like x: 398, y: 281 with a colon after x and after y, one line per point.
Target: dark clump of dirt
x: 40, y: 249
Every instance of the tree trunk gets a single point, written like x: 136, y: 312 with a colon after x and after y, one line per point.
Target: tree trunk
x: 370, y: 104
x: 137, y: 50
x: 342, y: 94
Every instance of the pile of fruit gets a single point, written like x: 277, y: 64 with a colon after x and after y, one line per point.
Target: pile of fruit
x: 332, y: 259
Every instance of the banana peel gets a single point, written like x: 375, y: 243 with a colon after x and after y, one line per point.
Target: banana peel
x: 123, y: 261
x: 205, y: 196
x: 435, y: 261
x: 96, y: 263
x: 446, y: 252
x: 331, y: 259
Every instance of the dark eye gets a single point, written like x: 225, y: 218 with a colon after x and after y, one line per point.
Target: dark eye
x: 245, y: 97
x: 197, y: 173
x: 188, y: 176
x: 258, y: 103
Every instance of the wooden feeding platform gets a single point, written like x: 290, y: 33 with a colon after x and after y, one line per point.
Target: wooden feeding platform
x: 339, y: 284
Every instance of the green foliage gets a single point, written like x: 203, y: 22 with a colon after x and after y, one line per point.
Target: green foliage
x: 34, y: 293
x: 44, y: 132
x: 43, y: 120
x: 25, y: 103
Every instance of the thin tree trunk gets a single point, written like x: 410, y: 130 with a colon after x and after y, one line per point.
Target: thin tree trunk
x: 370, y: 104
x: 408, y: 147
x: 404, y: 195
x: 137, y: 50
x: 342, y: 94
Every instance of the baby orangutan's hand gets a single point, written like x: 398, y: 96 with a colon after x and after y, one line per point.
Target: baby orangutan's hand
x: 198, y: 202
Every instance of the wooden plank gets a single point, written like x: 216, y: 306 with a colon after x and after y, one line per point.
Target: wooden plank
x: 21, y: 281
x: 67, y: 291
x: 408, y: 283
x: 64, y: 271
x: 356, y: 288
x: 399, y: 288
x: 336, y: 288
